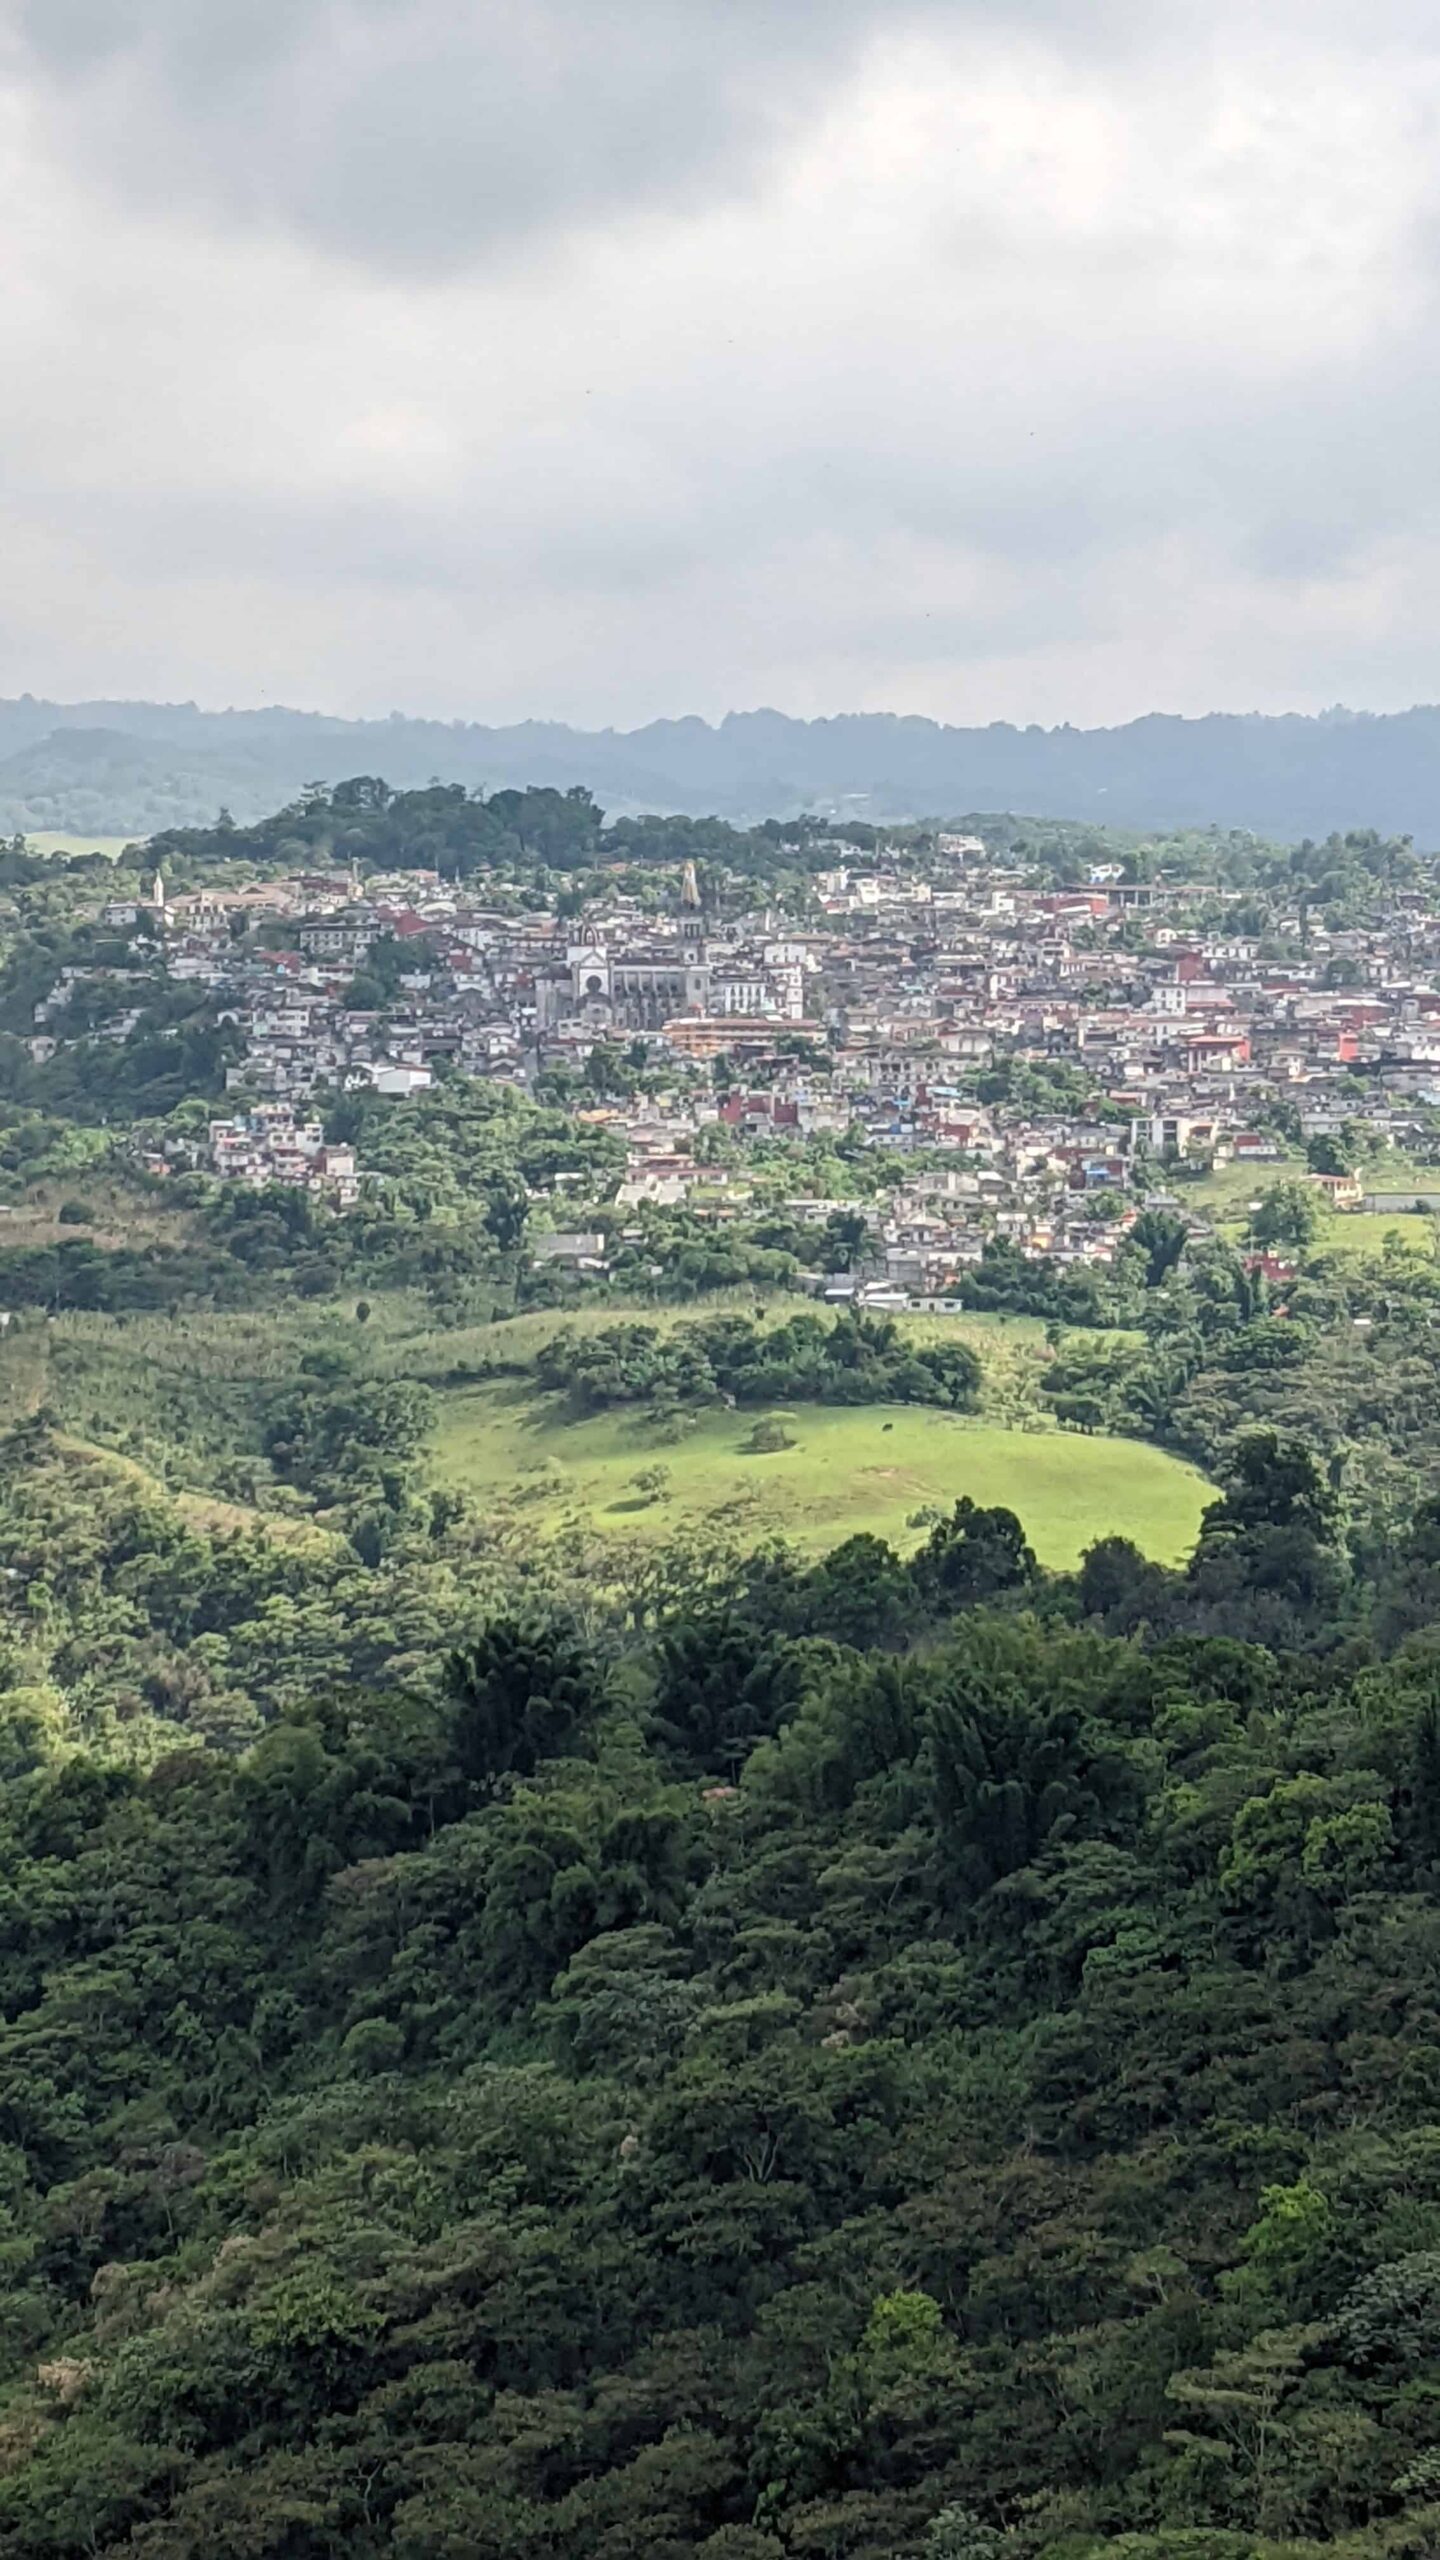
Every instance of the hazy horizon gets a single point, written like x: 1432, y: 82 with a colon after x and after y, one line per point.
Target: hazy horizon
x: 417, y: 715
x: 115, y: 768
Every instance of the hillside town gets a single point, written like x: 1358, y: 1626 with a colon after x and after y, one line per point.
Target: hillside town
x: 1032, y: 1062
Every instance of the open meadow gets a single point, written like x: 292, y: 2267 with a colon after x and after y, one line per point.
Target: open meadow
x: 50, y: 840
x: 1364, y: 1234
x: 870, y: 1469
x: 181, y: 1398
x: 1228, y: 1195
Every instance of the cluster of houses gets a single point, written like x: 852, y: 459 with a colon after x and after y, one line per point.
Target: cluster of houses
x: 268, y: 1145
x: 1055, y: 1187
x: 876, y: 1010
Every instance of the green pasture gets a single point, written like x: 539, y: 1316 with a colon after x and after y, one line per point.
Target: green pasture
x: 48, y: 840
x: 850, y: 1471
x: 181, y: 1399
x: 1362, y: 1233
x: 1226, y: 1193
x: 1359, y: 1235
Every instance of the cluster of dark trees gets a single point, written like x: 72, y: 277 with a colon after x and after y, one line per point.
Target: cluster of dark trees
x: 342, y: 1437
x: 676, y: 1254
x: 442, y: 827
x: 1044, y: 1084
x: 174, y: 1051
x: 109, y: 1067
x: 437, y: 1151
x: 77, y: 1274
x: 957, y: 2084
x: 852, y: 1358
x: 249, y: 1249
x: 22, y: 869
x: 463, y: 834
x: 1006, y: 1281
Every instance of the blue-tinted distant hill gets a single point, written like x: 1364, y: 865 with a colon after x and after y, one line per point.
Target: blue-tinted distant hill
x: 118, y: 768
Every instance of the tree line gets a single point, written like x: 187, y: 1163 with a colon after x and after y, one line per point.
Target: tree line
x: 853, y: 1358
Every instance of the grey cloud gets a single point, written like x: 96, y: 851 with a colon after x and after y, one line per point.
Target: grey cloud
x: 427, y: 134
x: 424, y: 133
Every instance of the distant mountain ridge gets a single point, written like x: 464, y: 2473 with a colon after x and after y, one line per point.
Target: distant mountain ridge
x: 128, y: 768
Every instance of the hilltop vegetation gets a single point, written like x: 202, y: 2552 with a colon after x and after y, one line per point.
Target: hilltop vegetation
x: 851, y: 1359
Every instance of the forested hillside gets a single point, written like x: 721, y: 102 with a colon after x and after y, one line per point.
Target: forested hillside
x: 129, y: 768
x: 865, y: 2061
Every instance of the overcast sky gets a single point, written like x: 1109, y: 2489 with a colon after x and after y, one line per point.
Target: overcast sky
x: 499, y: 358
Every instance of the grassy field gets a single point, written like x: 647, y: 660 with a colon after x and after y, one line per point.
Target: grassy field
x: 1359, y: 1234
x: 181, y: 1400
x: 1362, y: 1232
x: 47, y: 841
x: 1227, y: 1194
x: 849, y: 1471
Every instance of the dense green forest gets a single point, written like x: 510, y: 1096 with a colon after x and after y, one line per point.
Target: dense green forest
x: 869, y: 2060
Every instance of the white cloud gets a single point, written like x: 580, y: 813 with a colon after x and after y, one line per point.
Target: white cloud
x: 1053, y: 364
